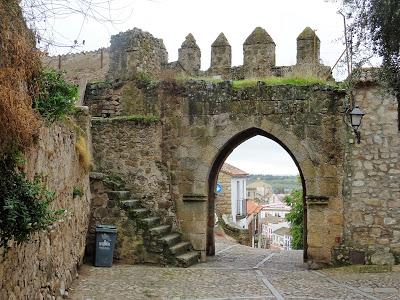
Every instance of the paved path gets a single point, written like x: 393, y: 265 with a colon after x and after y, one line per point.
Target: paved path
x: 236, y: 272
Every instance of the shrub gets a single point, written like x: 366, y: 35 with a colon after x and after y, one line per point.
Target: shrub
x: 19, y: 63
x: 55, y: 97
x: 24, y: 204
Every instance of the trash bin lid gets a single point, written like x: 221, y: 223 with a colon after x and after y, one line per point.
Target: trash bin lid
x: 106, y: 228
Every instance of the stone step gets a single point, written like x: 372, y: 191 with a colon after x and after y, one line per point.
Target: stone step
x: 138, y: 213
x: 126, y: 204
x: 119, y: 195
x: 150, y: 221
x: 180, y: 248
x: 170, y: 239
x: 187, y: 259
x: 160, y: 230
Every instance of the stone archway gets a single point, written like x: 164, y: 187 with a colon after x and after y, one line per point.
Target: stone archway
x: 231, y: 144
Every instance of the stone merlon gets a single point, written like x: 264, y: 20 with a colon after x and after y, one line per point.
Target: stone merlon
x: 189, y: 56
x: 307, y: 34
x: 259, y: 36
x: 190, y: 42
x: 221, y: 41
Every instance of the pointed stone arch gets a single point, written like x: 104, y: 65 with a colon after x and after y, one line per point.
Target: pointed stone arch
x: 224, y: 152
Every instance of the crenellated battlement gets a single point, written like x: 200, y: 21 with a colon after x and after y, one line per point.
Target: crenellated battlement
x: 136, y: 51
x: 88, y: 65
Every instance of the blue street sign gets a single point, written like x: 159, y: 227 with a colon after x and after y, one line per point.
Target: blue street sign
x: 219, y: 188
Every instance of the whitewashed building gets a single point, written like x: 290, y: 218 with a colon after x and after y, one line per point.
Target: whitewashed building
x: 277, y: 209
x: 281, y: 239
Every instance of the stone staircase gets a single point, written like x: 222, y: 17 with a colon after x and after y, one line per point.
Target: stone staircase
x: 163, y: 246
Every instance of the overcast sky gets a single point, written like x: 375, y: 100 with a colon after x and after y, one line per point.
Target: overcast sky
x: 260, y: 155
x: 172, y: 20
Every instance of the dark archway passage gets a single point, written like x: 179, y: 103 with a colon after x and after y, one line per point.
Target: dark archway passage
x: 219, y: 160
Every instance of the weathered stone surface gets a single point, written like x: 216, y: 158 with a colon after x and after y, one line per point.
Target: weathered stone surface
x: 382, y: 258
x: 46, y: 265
x: 189, y: 56
x: 132, y: 150
x: 371, y: 191
x: 308, y: 47
x: 134, y: 52
x: 81, y: 67
x: 258, y: 54
x: 221, y: 56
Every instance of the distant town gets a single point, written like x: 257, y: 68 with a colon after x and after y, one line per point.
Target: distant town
x: 251, y: 208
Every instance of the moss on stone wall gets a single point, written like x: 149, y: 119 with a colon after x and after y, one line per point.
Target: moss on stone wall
x: 146, y: 120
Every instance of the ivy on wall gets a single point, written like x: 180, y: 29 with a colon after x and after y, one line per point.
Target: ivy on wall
x: 24, y: 204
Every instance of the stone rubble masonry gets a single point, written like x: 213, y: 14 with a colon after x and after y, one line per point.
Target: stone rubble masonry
x: 258, y: 53
x: 189, y: 56
x: 133, y: 151
x: 134, y: 52
x: 137, y: 52
x: 372, y: 189
x: 221, y: 56
x: 88, y: 66
x: 308, y: 47
x: 129, y: 247
x: 352, y: 189
x: 45, y: 266
x: 223, y: 199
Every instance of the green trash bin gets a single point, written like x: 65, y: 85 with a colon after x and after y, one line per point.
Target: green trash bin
x: 105, y: 242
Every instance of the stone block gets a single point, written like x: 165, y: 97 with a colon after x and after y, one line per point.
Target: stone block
x: 382, y: 258
x: 198, y: 241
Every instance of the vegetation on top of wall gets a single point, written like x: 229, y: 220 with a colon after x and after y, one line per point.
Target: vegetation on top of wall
x: 147, y: 119
x: 24, y: 204
x: 144, y: 79
x: 275, y: 81
x: 55, y: 98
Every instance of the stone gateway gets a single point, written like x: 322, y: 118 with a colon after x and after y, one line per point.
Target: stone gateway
x: 166, y: 132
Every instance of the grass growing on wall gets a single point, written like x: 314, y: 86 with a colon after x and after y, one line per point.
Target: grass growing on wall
x: 276, y: 81
x: 148, y: 119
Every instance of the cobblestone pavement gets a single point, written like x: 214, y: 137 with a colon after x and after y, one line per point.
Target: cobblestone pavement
x: 236, y: 272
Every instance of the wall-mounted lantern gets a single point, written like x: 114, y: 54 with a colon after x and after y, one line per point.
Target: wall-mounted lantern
x: 356, y: 116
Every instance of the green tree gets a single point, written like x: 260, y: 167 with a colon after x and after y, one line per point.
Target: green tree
x: 375, y: 26
x: 296, y: 217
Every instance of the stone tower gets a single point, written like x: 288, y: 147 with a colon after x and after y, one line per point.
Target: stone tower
x: 189, y: 56
x: 259, y: 53
x: 308, y: 47
x: 221, y: 56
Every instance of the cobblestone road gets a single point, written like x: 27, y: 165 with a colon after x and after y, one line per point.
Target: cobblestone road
x: 236, y: 272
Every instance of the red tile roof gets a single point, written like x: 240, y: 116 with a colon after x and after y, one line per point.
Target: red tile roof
x: 253, y: 208
x: 233, y: 171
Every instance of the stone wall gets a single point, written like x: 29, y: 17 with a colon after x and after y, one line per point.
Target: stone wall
x: 47, y: 264
x: 208, y: 120
x: 132, y: 150
x: 223, y: 200
x: 134, y: 52
x: 372, y: 189
x: 105, y: 209
x: 87, y: 66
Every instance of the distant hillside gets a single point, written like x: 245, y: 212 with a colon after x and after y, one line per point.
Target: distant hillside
x: 279, y: 184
